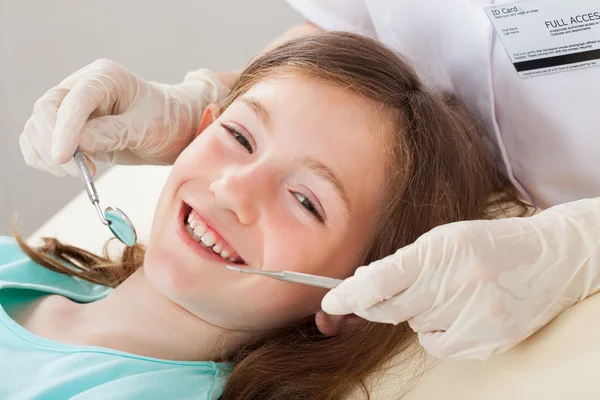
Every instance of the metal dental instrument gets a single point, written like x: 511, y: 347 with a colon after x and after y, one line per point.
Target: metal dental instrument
x: 296, y: 277
x: 115, y: 219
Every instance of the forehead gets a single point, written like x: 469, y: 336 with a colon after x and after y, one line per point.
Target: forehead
x: 330, y: 124
x: 316, y: 105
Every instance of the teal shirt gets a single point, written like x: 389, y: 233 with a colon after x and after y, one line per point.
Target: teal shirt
x: 32, y: 367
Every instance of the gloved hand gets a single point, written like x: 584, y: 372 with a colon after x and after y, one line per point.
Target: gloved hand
x: 115, y: 116
x: 472, y: 289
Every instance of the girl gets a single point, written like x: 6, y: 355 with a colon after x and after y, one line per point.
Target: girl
x: 328, y: 153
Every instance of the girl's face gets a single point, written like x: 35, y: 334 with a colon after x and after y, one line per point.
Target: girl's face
x: 289, y: 177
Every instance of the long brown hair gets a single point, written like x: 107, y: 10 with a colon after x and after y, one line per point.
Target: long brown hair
x: 438, y: 172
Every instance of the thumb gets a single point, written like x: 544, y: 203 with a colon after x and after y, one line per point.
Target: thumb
x: 376, y: 282
x: 70, y: 167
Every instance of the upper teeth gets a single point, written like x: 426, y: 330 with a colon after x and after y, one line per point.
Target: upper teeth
x: 207, y: 238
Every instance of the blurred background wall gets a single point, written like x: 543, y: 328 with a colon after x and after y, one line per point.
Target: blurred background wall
x: 42, y: 42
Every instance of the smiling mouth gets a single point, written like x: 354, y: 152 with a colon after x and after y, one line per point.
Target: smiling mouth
x: 205, y: 238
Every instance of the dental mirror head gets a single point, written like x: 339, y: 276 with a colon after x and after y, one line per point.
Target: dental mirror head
x: 120, y: 225
x: 115, y: 219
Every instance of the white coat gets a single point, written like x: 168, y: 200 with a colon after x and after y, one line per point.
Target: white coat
x: 545, y: 129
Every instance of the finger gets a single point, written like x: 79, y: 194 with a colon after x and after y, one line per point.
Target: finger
x: 75, y: 77
x: 74, y: 111
x: 71, y: 167
x: 375, y: 283
x: 438, y: 315
x: 433, y: 343
x: 428, y: 301
x: 29, y: 155
x: 434, y: 320
x: 90, y: 164
x: 418, y: 307
x: 471, y: 336
x: 106, y: 134
x: 41, y: 126
x: 395, y: 310
x: 418, y: 303
x: 110, y: 158
x: 33, y: 159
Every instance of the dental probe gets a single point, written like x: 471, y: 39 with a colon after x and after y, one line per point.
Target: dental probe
x: 295, y: 277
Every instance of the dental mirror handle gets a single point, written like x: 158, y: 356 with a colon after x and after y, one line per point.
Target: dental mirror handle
x: 87, y: 177
x: 89, y: 184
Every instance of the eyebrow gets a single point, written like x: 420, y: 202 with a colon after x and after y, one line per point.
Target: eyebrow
x: 260, y: 110
x: 326, y: 173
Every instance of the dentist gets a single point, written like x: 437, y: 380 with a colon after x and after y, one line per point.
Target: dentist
x: 469, y: 289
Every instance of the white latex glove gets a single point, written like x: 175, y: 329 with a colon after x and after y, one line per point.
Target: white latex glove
x: 116, y: 117
x: 472, y: 289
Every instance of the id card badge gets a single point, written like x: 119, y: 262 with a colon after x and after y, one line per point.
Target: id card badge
x: 548, y: 36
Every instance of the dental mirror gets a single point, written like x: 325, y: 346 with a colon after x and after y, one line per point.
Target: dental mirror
x: 120, y: 225
x: 114, y: 218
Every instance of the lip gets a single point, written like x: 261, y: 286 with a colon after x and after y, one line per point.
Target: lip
x: 202, y: 251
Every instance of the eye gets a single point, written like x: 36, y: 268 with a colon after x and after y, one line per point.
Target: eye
x: 239, y: 137
x: 306, y: 203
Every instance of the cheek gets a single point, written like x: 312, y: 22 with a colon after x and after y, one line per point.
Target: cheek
x: 164, y: 208
x: 291, y: 247
x: 312, y: 254
x: 284, y: 302
x: 206, y: 150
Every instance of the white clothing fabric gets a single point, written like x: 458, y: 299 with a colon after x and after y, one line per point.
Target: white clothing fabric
x: 545, y: 129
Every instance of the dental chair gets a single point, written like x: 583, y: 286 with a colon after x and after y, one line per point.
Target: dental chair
x: 561, y: 361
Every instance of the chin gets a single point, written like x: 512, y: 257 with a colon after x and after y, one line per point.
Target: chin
x: 169, y: 276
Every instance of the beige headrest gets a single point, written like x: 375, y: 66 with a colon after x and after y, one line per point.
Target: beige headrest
x: 559, y: 362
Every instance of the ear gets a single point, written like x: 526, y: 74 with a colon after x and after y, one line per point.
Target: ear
x: 329, y: 325
x: 333, y: 325
x: 208, y: 117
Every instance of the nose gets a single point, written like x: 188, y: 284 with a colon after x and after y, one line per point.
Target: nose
x: 245, y: 190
